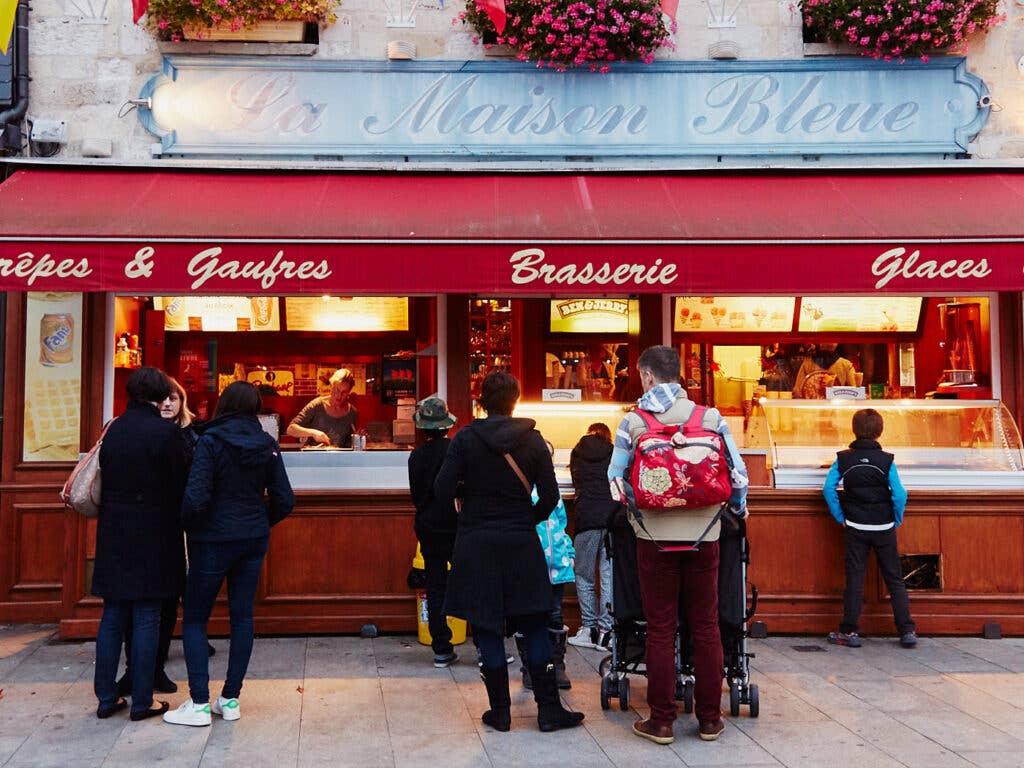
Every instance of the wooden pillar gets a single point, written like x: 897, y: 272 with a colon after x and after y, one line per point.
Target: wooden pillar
x: 531, y: 318
x: 644, y: 332
x: 459, y: 402
x: 1011, y: 352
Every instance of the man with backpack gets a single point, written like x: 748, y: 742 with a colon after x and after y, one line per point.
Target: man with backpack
x: 677, y: 467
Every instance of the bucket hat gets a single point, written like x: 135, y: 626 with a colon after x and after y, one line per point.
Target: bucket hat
x: 432, y: 413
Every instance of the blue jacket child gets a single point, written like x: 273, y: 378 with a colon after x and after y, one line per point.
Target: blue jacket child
x: 870, y: 510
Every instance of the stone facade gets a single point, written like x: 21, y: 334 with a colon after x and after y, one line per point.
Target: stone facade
x: 87, y: 61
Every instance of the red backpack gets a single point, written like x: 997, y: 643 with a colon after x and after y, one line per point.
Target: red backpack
x: 677, y: 466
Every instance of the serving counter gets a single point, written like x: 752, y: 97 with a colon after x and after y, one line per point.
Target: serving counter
x: 341, y: 560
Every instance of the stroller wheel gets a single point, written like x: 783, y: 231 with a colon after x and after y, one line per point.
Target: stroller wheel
x: 755, y: 703
x: 605, y: 665
x: 606, y: 692
x: 734, y: 698
x: 624, y: 694
x: 687, y: 697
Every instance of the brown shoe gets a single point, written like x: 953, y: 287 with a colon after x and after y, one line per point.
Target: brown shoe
x: 659, y: 734
x: 711, y: 729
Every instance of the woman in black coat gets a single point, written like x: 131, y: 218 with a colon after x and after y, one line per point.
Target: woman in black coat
x: 498, y: 567
x: 140, y: 554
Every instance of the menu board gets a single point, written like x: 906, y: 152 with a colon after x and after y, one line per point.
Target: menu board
x: 53, y: 376
x: 886, y: 314
x: 590, y: 316
x: 219, y: 313
x: 733, y: 314
x: 347, y: 313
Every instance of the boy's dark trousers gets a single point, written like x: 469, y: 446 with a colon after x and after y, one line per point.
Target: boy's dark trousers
x: 858, y: 544
x: 437, y: 553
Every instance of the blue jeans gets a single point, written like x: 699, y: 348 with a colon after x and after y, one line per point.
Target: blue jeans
x: 144, y: 616
x: 209, y: 563
x: 534, y: 628
x: 591, y: 553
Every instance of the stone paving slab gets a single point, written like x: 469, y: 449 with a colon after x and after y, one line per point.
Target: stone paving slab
x: 347, y: 701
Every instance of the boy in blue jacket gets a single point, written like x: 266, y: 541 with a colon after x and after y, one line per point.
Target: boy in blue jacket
x: 870, y: 511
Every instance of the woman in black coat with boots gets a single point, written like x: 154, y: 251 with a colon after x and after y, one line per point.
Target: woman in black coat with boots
x: 498, y: 571
x: 140, y: 553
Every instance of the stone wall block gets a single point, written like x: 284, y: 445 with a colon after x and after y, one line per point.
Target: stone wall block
x: 75, y: 94
x: 65, y: 36
x: 459, y: 45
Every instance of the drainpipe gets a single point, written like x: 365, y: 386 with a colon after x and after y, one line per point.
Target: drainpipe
x: 17, y: 112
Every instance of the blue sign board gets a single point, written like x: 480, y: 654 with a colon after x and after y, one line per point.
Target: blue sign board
x: 487, y: 109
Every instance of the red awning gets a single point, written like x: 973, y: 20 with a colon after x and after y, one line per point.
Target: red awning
x: 172, y: 231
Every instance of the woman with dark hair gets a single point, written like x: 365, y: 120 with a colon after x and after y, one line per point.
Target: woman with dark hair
x: 140, y: 556
x: 174, y: 407
x: 228, y: 522
x: 499, y: 572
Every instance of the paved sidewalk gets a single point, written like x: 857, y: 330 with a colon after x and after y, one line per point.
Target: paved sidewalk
x: 345, y: 701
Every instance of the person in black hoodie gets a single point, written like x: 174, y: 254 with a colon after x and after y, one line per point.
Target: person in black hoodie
x: 499, y: 572
x: 435, y: 525
x: 228, y: 524
x: 140, y: 556
x: 595, y: 509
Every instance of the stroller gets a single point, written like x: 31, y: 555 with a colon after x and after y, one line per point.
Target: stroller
x: 630, y: 630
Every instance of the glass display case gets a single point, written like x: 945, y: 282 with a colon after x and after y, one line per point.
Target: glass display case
x: 937, y: 443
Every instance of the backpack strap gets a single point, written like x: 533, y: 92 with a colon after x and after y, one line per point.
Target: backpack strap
x: 696, y: 420
x: 649, y: 419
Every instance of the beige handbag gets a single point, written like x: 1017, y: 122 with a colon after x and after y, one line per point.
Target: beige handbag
x: 81, y: 492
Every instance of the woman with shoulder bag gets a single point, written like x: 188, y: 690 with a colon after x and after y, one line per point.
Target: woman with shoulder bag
x: 228, y: 522
x: 499, y: 573
x: 140, y: 556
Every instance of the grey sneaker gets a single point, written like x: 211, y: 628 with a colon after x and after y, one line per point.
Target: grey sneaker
x: 909, y: 639
x: 849, y: 639
x: 443, y: 660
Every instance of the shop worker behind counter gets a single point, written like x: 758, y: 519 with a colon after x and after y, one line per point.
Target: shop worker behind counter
x: 329, y: 420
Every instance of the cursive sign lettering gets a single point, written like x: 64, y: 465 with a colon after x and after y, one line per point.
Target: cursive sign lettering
x: 892, y: 264
x: 265, y: 103
x: 450, y: 113
x: 528, y: 266
x: 30, y: 267
x: 206, y: 265
x: 747, y: 103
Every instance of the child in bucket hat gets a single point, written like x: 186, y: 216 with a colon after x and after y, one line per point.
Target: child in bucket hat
x: 435, y: 525
x: 432, y: 413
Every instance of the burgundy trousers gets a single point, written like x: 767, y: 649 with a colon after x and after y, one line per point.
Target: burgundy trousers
x: 663, y: 577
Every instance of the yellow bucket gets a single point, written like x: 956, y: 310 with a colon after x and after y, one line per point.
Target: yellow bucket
x: 457, y: 626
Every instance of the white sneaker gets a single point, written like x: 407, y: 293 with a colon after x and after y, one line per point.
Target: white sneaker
x: 189, y: 713
x: 583, y: 638
x: 227, y: 708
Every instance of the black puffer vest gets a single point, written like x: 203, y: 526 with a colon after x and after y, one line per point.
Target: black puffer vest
x: 864, y: 469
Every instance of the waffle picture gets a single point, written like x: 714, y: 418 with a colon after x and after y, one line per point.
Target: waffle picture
x: 51, y: 414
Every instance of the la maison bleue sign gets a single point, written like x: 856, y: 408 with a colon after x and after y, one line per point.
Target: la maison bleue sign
x: 486, y: 109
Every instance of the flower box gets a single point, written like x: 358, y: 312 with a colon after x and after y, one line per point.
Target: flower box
x: 568, y: 34
x: 898, y: 29
x: 262, y: 31
x: 275, y: 21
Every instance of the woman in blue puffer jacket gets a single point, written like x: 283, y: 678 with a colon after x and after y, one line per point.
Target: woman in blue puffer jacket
x: 560, y: 556
x: 237, y: 466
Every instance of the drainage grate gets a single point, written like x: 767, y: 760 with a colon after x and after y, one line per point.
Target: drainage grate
x: 808, y: 649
